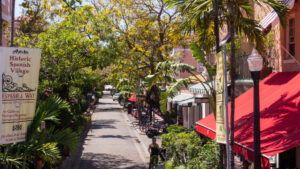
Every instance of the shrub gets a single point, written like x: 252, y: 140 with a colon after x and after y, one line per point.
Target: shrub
x: 186, y: 150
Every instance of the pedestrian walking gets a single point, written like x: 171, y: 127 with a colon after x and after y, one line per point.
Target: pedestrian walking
x: 154, y: 151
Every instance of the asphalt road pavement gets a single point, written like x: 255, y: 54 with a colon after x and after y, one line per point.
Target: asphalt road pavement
x: 111, y: 143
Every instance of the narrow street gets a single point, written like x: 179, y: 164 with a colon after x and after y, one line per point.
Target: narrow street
x: 111, y: 142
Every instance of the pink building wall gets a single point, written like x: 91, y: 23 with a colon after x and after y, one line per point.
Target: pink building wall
x: 290, y: 65
x: 186, y: 56
x: 281, y: 63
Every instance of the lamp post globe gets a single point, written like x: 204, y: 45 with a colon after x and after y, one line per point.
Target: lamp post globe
x: 255, y: 63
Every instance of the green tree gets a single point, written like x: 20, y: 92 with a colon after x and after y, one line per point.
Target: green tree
x: 163, y: 78
x: 147, y: 35
x: 71, y: 49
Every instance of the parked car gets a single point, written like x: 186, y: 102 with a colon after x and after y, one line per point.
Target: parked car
x: 115, y: 96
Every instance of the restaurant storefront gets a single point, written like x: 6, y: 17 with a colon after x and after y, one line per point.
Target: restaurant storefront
x: 280, y: 117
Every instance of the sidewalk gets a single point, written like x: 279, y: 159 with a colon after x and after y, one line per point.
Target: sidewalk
x: 145, y: 140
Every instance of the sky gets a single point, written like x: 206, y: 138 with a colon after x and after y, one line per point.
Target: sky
x: 18, y: 10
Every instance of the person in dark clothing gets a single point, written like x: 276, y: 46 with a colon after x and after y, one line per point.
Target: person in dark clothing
x: 154, y: 151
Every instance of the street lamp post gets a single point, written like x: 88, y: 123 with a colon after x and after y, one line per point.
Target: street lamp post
x: 255, y: 65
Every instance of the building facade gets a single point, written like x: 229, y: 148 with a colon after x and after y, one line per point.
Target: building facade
x: 6, y: 16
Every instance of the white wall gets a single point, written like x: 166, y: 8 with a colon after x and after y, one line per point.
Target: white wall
x: 185, y: 116
x: 205, y: 109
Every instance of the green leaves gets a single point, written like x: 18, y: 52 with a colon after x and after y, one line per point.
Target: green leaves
x: 165, y: 76
x: 199, y: 18
x: 175, y: 87
x: 46, y: 111
x: 43, y: 143
x: 200, y: 56
x: 187, y: 150
x: 151, y: 80
x: 163, y: 101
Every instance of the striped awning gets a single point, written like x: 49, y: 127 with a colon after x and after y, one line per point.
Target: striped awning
x: 186, y: 102
x: 180, y: 98
x: 271, y: 19
x: 199, y: 88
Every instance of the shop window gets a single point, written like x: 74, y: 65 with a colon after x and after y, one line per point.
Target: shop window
x: 291, y: 38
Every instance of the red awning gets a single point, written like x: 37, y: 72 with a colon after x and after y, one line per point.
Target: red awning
x: 132, y: 99
x: 280, y: 117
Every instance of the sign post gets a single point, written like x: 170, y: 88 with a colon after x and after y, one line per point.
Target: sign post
x: 19, y: 71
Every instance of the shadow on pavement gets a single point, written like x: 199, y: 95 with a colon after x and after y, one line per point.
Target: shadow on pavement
x: 109, y: 110
x: 116, y: 136
x: 107, y: 161
x: 103, y: 124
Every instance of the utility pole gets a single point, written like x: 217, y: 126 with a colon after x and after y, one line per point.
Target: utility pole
x: 12, y: 23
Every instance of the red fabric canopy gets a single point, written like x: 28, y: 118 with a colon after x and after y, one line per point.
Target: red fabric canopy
x: 132, y: 99
x: 279, y: 112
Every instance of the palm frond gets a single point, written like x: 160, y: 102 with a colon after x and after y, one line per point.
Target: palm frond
x: 47, y: 110
x: 175, y: 87
x: 66, y: 137
x: 151, y: 80
x: 163, y: 101
x: 182, y: 67
x: 49, y: 152
x: 10, y: 160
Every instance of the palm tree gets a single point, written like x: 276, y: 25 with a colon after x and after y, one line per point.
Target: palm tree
x: 165, y: 77
x: 42, y: 144
x: 199, y: 15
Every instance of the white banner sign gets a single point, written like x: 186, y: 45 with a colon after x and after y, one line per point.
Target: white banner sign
x: 19, y: 69
x: 220, y: 101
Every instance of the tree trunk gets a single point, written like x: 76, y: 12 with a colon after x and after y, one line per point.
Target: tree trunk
x: 1, y: 23
x: 216, y: 30
x: 150, y: 112
x: 216, y: 22
x: 167, y: 118
x: 232, y: 74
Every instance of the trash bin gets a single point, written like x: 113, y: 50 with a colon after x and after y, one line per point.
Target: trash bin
x: 129, y: 108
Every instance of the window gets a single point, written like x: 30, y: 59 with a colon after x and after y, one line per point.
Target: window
x: 291, y: 38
